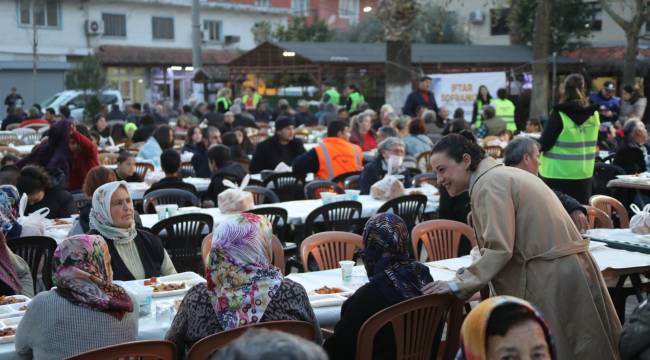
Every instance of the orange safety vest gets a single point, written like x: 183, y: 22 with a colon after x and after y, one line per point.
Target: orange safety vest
x: 337, y: 156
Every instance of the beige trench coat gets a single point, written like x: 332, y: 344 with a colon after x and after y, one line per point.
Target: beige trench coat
x: 532, y: 250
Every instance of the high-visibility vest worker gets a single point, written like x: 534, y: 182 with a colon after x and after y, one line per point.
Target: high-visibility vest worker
x: 337, y: 156
x: 334, y: 96
x: 478, y: 121
x: 505, y: 109
x: 225, y: 102
x: 574, y: 154
x: 356, y: 100
x: 251, y: 101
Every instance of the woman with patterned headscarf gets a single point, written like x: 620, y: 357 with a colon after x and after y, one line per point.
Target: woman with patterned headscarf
x: 394, y: 277
x: 15, y: 277
x: 505, y: 327
x: 85, y: 311
x: 243, y: 286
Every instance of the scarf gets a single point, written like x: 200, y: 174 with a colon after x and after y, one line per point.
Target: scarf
x: 386, y: 258
x: 8, y: 207
x: 473, y: 332
x: 241, y: 279
x: 83, y: 276
x: 8, y: 273
x: 100, y: 218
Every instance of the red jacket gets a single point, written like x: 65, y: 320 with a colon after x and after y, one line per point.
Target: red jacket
x: 82, y: 161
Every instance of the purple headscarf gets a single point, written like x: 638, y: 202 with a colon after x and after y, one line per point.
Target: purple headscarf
x: 55, y: 153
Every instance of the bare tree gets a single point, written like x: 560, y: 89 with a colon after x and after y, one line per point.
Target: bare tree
x: 640, y: 13
x: 398, y: 18
x: 541, y: 51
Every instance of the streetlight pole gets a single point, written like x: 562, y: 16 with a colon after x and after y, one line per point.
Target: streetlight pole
x: 34, y: 50
x: 196, y: 36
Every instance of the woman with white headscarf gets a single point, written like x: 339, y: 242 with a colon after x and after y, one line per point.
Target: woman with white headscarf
x: 242, y: 288
x: 135, y: 253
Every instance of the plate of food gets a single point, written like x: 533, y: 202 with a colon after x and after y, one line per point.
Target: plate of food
x: 173, y: 284
x: 8, y: 330
x: 328, y: 292
x: 12, y: 306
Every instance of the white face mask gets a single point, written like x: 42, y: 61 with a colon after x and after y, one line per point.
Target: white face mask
x: 394, y: 162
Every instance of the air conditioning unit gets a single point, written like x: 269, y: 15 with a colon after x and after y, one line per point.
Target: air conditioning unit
x: 94, y: 27
x: 476, y: 17
x: 231, y: 39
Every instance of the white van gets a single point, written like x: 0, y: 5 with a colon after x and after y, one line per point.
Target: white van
x: 76, y: 101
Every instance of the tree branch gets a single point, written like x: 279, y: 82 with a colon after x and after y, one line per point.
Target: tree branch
x: 606, y: 5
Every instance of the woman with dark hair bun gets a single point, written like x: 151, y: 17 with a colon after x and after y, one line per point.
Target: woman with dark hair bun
x: 530, y: 248
x: 568, y: 150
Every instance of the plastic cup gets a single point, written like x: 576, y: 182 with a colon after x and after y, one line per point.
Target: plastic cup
x: 327, y: 197
x: 353, y: 194
x: 346, y: 269
x: 161, y: 210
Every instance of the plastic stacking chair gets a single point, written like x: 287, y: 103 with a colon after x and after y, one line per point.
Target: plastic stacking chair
x: 409, y: 207
x: 341, y: 179
x: 423, y: 162
x: 182, y: 239
x: 278, y: 254
x: 328, y: 248
x: 598, y: 219
x: 168, y: 196
x: 613, y: 208
x: 313, y: 189
x: 440, y: 238
x: 142, y: 168
x: 207, y: 346
x: 336, y: 216
x: 262, y: 195
x: 149, y: 349
x: 187, y: 169
x: 34, y: 250
x: 415, y: 323
x: 352, y: 182
x: 287, y: 186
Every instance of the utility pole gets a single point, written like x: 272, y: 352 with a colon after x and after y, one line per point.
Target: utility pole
x: 196, y: 37
x: 34, y: 50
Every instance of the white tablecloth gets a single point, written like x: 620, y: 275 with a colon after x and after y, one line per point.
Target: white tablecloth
x: 309, y: 177
x: 137, y: 189
x: 297, y: 210
x: 621, y: 236
x: 23, y: 149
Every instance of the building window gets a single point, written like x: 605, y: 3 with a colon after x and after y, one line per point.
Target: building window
x: 499, y: 21
x: 114, y: 25
x: 163, y: 28
x: 212, y: 30
x: 349, y: 8
x: 596, y: 22
x: 300, y: 7
x: 45, y: 13
x: 263, y: 3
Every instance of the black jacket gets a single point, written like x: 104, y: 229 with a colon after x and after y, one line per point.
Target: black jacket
x: 143, y: 133
x: 574, y: 110
x: 269, y: 153
x: 57, y: 199
x: 415, y: 100
x: 630, y: 158
x: 231, y: 171
x: 150, y: 250
x: 200, y: 160
x: 172, y: 183
x: 373, y: 172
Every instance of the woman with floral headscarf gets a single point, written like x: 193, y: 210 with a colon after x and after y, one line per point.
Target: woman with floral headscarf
x: 394, y: 277
x: 135, y: 253
x: 505, y: 327
x: 15, y: 277
x: 85, y: 311
x: 243, y: 286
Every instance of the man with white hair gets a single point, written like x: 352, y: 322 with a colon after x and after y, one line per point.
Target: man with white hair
x: 523, y: 153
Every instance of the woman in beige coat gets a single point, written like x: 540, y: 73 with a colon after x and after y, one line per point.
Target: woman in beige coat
x: 530, y: 249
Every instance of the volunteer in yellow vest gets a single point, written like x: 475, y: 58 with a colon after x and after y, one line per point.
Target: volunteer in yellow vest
x: 224, y: 101
x: 482, y: 98
x: 333, y: 156
x: 568, y: 143
x: 355, y: 99
x: 505, y: 109
x: 251, y: 98
x: 330, y: 95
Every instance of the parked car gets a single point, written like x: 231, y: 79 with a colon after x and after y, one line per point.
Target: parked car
x: 76, y: 101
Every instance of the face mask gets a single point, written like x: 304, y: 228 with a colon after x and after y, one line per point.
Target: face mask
x: 394, y: 161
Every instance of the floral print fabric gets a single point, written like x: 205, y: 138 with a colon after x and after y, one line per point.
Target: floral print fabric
x: 241, y: 279
x: 83, y: 276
